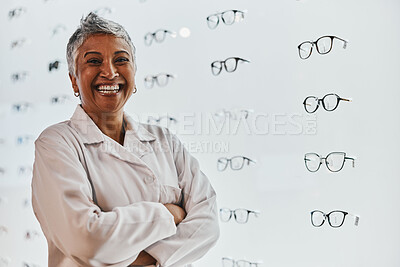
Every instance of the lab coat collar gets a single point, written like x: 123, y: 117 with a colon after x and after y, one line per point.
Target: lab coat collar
x: 91, y: 134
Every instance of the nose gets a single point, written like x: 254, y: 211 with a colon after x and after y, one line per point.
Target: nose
x: 108, y: 70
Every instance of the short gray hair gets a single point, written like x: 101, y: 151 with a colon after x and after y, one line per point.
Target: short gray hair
x: 94, y: 24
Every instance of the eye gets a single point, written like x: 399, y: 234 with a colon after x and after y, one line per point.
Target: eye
x: 122, y: 59
x: 94, y: 61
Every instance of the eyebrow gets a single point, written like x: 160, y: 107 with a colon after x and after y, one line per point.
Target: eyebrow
x: 98, y: 53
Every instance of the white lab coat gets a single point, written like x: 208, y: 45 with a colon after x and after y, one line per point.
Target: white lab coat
x: 100, y: 203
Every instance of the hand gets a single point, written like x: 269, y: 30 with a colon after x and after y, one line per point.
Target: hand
x: 178, y: 213
x: 143, y: 258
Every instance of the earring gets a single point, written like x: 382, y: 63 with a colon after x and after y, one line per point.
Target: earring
x: 116, y: 74
x: 76, y: 94
x: 134, y: 90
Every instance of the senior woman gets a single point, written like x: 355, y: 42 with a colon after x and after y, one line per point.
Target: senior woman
x: 107, y: 190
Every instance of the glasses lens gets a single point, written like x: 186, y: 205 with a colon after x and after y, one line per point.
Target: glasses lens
x: 225, y: 214
x: 226, y: 262
x: 242, y: 263
x: 228, y: 17
x: 162, y: 79
x: 335, y: 161
x: 305, y: 50
x: 212, y: 21
x: 148, y: 81
x: 160, y: 35
x: 222, y: 163
x: 311, y: 104
x: 237, y: 163
x: 216, y: 67
x: 241, y: 215
x: 324, y: 45
x: 330, y: 102
x: 336, y: 218
x: 148, y: 38
x: 317, y: 218
x: 312, y: 161
x: 230, y: 64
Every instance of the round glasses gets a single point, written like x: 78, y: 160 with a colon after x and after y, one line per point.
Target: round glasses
x: 334, y: 161
x: 241, y: 215
x: 329, y: 102
x: 323, y: 44
x: 228, y: 262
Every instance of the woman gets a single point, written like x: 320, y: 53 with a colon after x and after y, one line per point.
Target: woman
x: 109, y: 191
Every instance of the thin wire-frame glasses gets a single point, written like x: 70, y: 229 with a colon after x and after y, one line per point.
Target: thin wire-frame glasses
x: 228, y: 18
x: 240, y: 215
x: 329, y: 102
x: 334, y: 161
x: 323, y: 45
x: 161, y: 79
x: 158, y: 36
x: 229, y: 262
x: 236, y: 163
x: 335, y: 218
x: 230, y: 64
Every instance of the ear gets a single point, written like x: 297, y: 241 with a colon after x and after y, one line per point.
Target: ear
x: 73, y: 82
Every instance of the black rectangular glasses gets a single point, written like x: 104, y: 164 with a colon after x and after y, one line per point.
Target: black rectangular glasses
x: 230, y: 64
x: 236, y: 163
x: 228, y: 18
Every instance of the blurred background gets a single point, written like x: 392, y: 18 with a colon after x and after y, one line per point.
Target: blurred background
x: 255, y: 111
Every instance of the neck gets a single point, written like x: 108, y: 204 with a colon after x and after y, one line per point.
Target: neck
x: 111, y: 124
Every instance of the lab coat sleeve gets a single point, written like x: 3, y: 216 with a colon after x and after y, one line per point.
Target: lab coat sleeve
x: 199, y: 231
x: 62, y: 201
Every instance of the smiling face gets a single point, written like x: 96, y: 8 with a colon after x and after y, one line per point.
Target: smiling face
x: 105, y: 74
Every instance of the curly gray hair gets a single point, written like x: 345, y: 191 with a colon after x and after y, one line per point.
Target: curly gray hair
x: 94, y: 24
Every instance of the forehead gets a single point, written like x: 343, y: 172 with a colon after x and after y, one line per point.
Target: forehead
x: 104, y: 43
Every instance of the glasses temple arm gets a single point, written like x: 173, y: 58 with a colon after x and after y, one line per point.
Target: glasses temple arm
x: 353, y: 159
x: 346, y: 99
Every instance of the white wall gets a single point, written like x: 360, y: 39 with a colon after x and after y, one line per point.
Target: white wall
x: 274, y: 85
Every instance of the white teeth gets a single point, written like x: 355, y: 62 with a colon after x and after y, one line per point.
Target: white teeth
x: 108, y: 87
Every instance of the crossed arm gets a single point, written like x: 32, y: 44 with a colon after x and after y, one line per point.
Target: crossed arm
x: 145, y: 258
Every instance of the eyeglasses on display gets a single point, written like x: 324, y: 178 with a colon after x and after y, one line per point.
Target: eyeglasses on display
x: 19, y: 76
x: 240, y: 215
x: 16, y: 12
x: 230, y: 64
x: 58, y: 29
x: 103, y: 11
x: 19, y: 43
x: 158, y: 36
x: 21, y: 107
x: 59, y: 99
x: 234, y: 114
x: 329, y: 102
x: 236, y: 163
x: 323, y: 45
x: 54, y: 65
x: 334, y: 161
x: 335, y: 218
x: 24, y: 139
x: 228, y: 18
x: 228, y: 262
x: 162, y: 120
x: 161, y: 79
